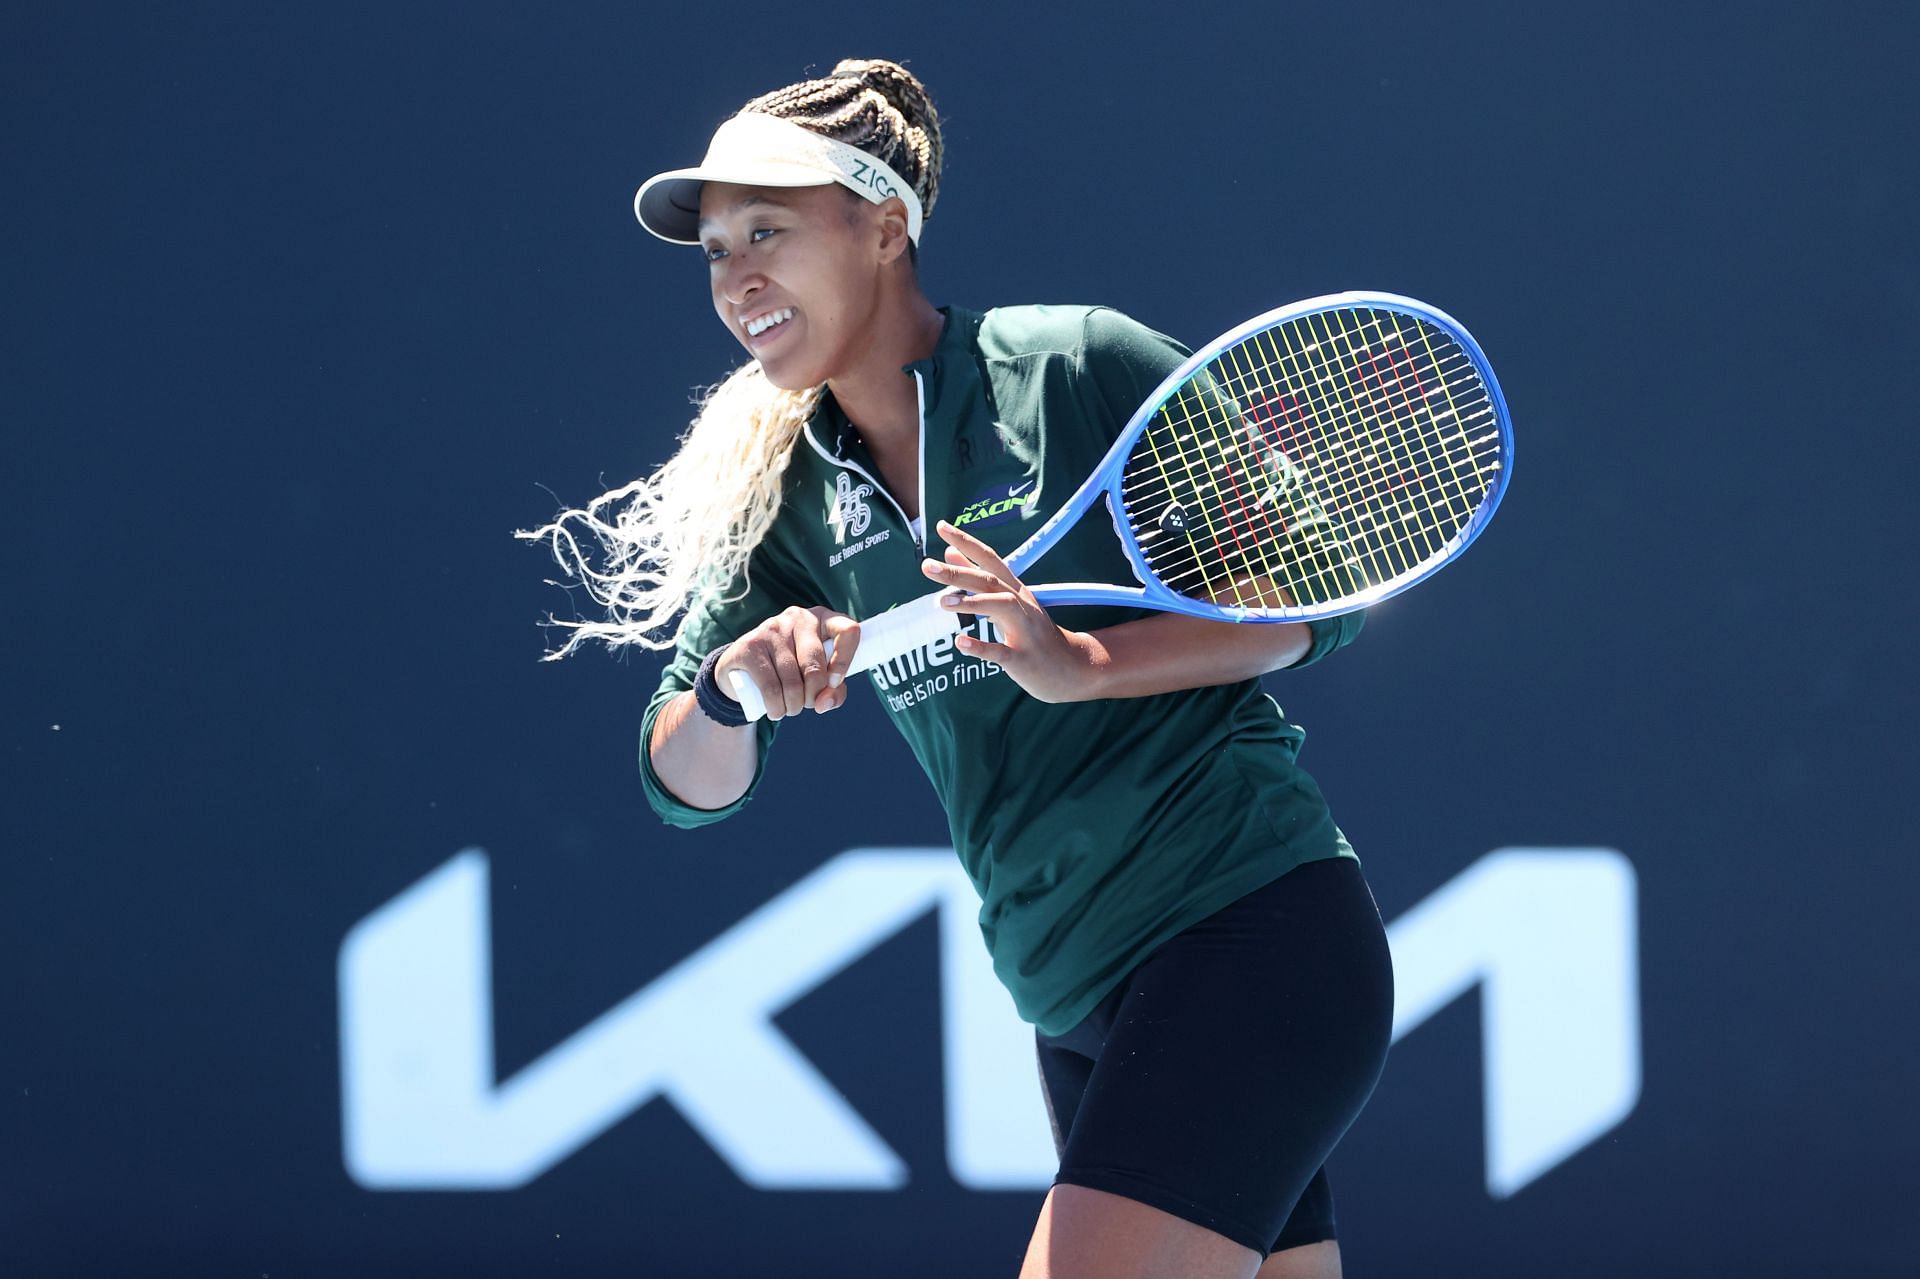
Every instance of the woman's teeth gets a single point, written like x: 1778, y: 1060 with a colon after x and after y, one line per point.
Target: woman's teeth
x: 756, y: 327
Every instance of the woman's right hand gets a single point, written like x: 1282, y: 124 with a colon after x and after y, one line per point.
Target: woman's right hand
x: 786, y: 657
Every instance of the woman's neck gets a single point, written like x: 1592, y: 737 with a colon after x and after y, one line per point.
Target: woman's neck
x: 882, y: 403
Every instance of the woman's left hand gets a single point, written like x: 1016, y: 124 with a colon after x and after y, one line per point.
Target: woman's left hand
x: 1052, y: 664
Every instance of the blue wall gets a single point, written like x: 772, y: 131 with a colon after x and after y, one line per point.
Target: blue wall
x: 307, y: 308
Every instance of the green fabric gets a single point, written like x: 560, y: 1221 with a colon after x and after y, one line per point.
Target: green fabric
x: 1093, y: 831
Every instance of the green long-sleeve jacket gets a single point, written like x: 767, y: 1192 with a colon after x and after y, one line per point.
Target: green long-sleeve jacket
x: 1093, y: 830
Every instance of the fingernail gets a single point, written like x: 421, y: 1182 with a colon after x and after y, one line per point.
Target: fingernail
x: 950, y: 599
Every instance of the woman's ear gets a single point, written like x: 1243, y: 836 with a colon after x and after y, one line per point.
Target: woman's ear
x: 891, y: 216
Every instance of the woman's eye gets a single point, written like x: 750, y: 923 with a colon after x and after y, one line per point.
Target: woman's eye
x: 713, y: 253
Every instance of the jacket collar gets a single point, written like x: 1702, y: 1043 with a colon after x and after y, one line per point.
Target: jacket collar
x: 951, y: 363
x: 950, y: 367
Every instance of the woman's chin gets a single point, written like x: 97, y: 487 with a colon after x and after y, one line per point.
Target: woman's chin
x: 787, y: 376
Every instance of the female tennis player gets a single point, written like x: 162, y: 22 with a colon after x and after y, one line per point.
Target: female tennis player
x: 1162, y: 888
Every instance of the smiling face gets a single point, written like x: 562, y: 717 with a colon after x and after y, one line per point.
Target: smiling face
x: 797, y: 274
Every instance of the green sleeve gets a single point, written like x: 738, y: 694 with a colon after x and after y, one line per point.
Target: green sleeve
x: 1329, y: 634
x: 714, y: 621
x: 1121, y: 363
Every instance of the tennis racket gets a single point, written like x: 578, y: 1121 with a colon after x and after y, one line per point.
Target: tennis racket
x: 1313, y: 461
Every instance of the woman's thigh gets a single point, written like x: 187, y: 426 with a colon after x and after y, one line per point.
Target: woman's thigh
x: 1090, y: 1234
x: 1216, y: 1080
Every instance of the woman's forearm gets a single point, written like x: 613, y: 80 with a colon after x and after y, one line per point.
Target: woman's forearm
x: 1171, y: 651
x: 706, y: 765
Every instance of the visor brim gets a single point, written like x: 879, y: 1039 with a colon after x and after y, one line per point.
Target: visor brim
x: 668, y: 204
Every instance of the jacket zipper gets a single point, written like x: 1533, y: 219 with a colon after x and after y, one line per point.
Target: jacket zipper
x: 920, y: 393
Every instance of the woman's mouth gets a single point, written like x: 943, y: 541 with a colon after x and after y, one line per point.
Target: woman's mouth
x: 767, y: 323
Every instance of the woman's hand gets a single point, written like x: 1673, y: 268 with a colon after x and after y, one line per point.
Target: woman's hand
x: 786, y: 656
x: 1052, y: 664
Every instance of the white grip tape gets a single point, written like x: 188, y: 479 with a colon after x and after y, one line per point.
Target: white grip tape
x: 747, y: 693
x: 883, y: 638
x: 903, y: 629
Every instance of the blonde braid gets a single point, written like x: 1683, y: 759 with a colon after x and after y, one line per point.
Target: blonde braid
x: 689, y: 529
x: 692, y: 525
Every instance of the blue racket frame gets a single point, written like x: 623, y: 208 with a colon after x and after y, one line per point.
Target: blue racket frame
x: 1106, y: 478
x: 918, y: 621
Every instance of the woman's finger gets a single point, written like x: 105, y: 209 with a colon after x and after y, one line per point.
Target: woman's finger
x: 1003, y: 607
x: 978, y: 551
x: 986, y: 650
x: 844, y: 633
x: 810, y: 657
x: 965, y: 576
x: 791, y: 686
x: 755, y: 658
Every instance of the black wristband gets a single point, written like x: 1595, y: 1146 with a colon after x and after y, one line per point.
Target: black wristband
x: 713, y: 700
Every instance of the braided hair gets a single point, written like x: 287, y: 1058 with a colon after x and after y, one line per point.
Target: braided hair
x: 875, y: 105
x: 657, y: 545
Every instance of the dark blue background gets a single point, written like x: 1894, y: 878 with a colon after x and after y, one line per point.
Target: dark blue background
x: 307, y: 308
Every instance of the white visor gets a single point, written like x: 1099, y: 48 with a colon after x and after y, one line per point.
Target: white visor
x: 764, y: 151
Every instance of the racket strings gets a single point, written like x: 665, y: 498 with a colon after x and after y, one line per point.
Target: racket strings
x: 1385, y: 489
x: 1401, y: 483
x: 1365, y: 479
x: 1381, y: 468
x: 1354, y: 475
x: 1313, y: 459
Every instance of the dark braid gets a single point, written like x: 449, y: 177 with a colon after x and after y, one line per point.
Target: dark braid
x: 873, y: 104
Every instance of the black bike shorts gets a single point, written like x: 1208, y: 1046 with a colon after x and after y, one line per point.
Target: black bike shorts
x: 1213, y: 1082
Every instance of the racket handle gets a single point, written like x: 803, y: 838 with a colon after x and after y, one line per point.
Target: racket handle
x: 747, y: 693
x: 883, y: 638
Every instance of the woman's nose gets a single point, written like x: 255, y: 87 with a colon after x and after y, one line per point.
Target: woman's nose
x: 738, y: 287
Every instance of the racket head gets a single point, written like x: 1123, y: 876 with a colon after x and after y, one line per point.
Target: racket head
x: 1341, y: 449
